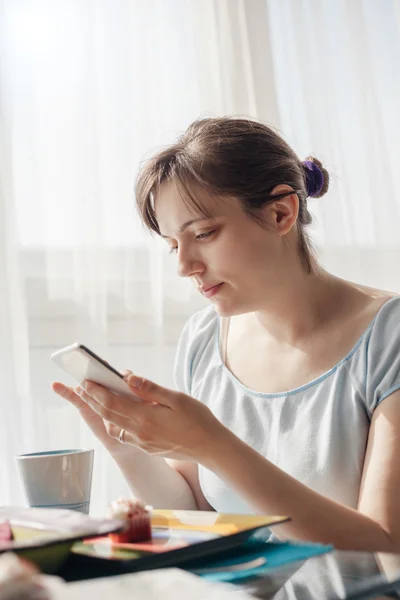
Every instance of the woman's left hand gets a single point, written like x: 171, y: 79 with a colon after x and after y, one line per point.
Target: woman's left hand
x: 166, y: 422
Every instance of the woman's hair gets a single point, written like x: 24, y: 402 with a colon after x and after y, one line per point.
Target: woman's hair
x: 227, y: 157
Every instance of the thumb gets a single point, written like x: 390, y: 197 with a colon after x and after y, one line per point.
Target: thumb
x: 126, y: 373
x: 150, y: 391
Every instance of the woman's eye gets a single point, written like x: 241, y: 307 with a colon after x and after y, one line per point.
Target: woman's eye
x: 203, y: 236
x: 199, y: 237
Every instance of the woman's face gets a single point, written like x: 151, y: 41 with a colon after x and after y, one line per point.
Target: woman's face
x: 230, y: 258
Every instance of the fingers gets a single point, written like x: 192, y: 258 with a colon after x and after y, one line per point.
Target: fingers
x: 67, y: 393
x: 99, y: 404
x: 137, y: 421
x: 121, y: 405
x: 114, y: 423
x: 151, y: 392
x: 116, y: 412
x: 126, y: 373
x: 114, y: 431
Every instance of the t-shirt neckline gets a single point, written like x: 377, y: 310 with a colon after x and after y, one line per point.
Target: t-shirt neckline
x: 305, y: 386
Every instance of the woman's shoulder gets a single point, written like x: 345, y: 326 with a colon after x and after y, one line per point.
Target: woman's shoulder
x: 202, y: 319
x: 369, y: 309
x: 199, y: 329
x: 386, y: 310
x: 383, y: 334
x: 373, y: 298
x: 382, y: 352
x: 378, y: 320
x: 196, y: 342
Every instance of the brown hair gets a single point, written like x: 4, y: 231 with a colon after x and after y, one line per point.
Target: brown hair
x: 229, y: 156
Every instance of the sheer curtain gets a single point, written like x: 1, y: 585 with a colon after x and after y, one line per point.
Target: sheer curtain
x: 18, y: 417
x: 338, y: 90
x: 95, y: 87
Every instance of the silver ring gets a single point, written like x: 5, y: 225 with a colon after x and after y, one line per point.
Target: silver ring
x: 121, y: 436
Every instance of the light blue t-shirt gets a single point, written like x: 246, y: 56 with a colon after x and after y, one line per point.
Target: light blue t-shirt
x: 317, y: 432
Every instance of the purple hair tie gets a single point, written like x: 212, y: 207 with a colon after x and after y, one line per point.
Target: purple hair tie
x: 314, y: 178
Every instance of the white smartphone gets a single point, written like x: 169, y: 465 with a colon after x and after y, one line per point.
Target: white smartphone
x: 81, y: 363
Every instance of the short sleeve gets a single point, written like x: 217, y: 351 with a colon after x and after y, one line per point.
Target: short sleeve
x: 182, y: 369
x: 195, y: 337
x: 383, y: 354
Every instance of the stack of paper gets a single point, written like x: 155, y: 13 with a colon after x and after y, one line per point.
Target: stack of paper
x: 168, y: 584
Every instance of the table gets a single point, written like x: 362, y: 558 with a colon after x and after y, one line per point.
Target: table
x: 332, y: 576
x: 339, y: 574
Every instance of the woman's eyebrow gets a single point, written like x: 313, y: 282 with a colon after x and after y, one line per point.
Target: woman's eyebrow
x: 187, y: 224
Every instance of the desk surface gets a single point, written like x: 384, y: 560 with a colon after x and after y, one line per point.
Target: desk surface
x: 344, y: 575
x: 350, y: 575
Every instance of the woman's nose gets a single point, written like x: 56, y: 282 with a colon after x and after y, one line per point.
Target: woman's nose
x: 188, y: 265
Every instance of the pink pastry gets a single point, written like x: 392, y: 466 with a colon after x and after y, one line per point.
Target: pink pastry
x: 137, y: 517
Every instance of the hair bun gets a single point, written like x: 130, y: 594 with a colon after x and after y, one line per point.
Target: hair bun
x: 317, y: 177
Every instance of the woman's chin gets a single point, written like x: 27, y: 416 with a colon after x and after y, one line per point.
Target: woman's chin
x: 228, y: 309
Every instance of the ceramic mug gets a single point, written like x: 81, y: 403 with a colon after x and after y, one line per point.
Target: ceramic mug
x: 57, y: 478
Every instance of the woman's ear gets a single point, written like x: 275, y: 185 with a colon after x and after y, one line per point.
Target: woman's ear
x: 282, y: 214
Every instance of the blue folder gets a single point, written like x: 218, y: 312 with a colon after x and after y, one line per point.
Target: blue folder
x: 275, y: 554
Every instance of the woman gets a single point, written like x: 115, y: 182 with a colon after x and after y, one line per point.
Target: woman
x: 289, y: 382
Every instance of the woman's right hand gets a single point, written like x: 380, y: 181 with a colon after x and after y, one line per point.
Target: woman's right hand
x: 100, y: 428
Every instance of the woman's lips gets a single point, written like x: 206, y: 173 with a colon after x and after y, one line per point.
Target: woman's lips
x: 210, y: 292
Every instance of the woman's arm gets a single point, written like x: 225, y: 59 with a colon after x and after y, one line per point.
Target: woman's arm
x: 190, y: 472
x: 163, y: 483
x: 183, y: 428
x: 150, y: 478
x: 155, y: 482
x: 375, y: 526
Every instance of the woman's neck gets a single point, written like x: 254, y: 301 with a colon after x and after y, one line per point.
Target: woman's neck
x: 300, y: 304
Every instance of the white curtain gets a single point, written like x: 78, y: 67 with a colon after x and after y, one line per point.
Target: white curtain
x: 94, y: 87
x: 337, y: 77
x: 17, y: 414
